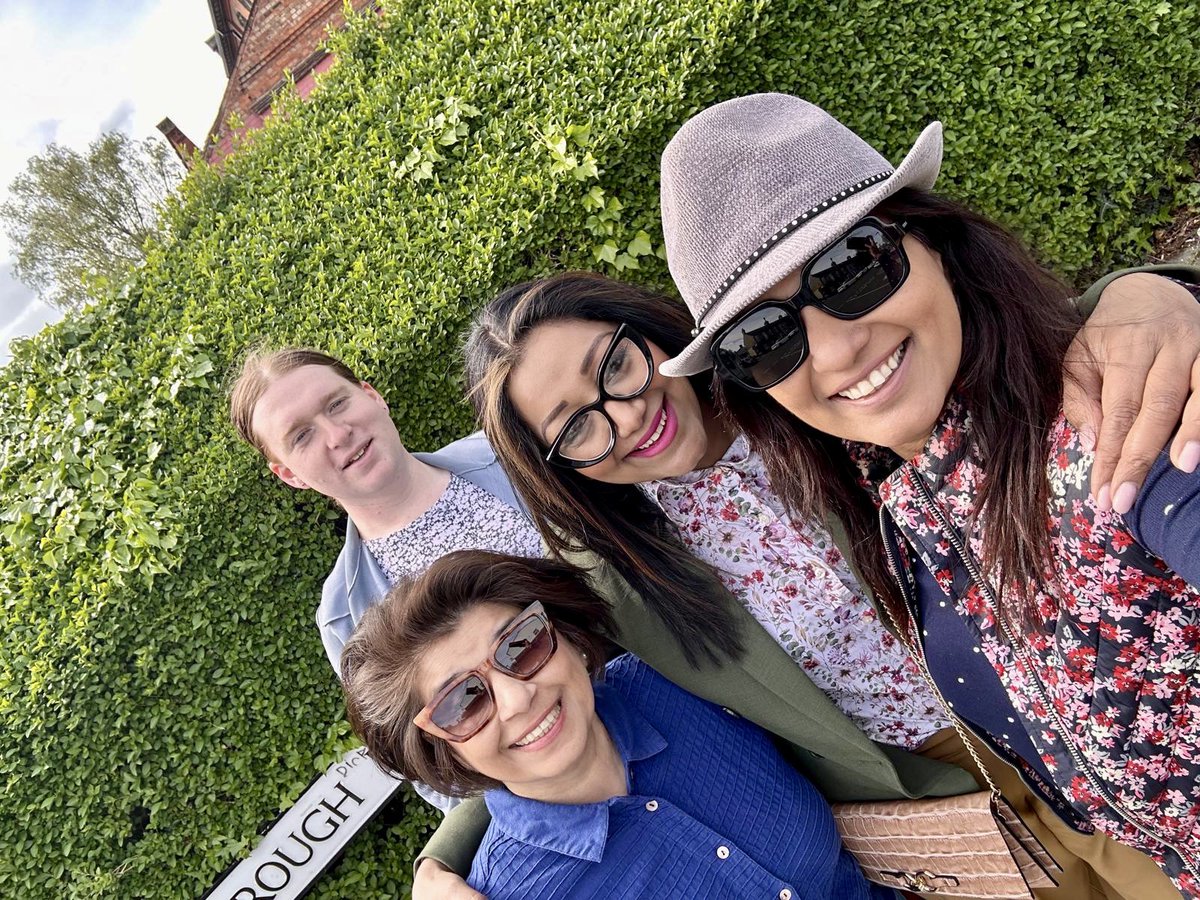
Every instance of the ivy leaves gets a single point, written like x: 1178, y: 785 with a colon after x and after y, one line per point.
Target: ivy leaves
x: 161, y: 680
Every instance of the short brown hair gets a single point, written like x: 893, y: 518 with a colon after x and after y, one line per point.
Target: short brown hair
x: 259, y: 369
x: 381, y: 659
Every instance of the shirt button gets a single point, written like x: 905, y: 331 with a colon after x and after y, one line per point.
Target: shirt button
x: 722, y: 852
x: 651, y: 805
x: 785, y: 894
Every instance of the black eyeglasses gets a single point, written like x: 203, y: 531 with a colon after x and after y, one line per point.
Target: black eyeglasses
x: 848, y: 279
x: 462, y: 708
x: 625, y: 371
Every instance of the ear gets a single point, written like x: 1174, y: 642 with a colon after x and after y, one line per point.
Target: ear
x: 287, y: 476
x: 373, y: 394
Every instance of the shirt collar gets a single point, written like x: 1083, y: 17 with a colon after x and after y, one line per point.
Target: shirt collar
x: 737, y: 458
x: 578, y: 830
x: 947, y: 447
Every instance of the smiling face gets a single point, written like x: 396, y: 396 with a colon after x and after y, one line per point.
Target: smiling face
x: 883, y: 378
x: 544, y: 736
x: 660, y: 433
x: 325, y: 433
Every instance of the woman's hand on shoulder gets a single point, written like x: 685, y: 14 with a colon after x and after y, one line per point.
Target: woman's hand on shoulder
x: 1133, y: 378
x: 433, y: 881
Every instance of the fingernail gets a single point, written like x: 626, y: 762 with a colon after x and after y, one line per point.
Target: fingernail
x: 1190, y: 457
x: 1087, y: 438
x: 1122, y: 501
x: 1104, y: 498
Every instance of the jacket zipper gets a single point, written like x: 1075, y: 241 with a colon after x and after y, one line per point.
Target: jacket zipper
x: 976, y: 577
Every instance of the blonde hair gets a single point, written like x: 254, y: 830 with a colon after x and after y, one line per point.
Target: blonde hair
x: 260, y: 369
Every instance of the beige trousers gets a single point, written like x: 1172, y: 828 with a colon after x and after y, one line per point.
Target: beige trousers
x: 1095, y: 867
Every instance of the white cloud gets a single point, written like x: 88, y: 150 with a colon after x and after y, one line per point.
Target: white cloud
x: 121, y: 118
x: 21, y: 314
x: 78, y: 67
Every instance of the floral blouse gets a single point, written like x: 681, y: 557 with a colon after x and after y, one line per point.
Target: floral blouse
x: 796, y: 583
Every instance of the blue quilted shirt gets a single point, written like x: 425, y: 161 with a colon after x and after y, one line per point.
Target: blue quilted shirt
x: 713, y: 811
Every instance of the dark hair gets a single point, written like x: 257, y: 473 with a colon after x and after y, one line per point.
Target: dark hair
x: 1017, y: 325
x: 618, y: 522
x: 259, y: 369
x: 380, y: 662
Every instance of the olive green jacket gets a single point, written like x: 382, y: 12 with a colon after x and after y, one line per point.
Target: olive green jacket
x: 766, y: 686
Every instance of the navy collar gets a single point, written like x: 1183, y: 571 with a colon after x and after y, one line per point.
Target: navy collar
x: 578, y: 830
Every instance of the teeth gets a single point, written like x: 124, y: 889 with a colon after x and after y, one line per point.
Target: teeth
x: 543, y: 729
x: 876, y: 379
x: 662, y: 423
x: 357, y: 456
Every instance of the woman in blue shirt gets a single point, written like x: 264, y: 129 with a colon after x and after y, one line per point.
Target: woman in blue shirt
x: 627, y: 788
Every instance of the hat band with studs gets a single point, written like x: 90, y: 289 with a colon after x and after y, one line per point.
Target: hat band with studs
x: 778, y: 236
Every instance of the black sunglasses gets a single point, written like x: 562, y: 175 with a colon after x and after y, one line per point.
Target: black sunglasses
x: 848, y: 279
x: 589, y: 435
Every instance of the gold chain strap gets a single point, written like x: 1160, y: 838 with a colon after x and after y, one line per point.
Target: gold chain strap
x: 919, y: 655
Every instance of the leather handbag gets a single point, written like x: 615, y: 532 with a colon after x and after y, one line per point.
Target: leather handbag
x: 973, y: 845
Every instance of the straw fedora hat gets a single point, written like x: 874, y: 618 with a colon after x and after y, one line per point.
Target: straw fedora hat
x: 753, y: 188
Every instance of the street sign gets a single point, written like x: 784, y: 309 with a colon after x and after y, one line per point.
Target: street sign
x: 306, y: 839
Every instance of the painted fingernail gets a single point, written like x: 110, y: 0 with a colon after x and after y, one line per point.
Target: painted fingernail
x: 1104, y: 498
x: 1087, y: 438
x: 1190, y: 457
x: 1122, y: 501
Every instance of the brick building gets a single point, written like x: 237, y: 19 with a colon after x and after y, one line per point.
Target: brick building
x: 260, y: 41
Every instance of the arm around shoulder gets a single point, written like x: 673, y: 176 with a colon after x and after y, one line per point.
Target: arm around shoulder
x: 1132, y: 375
x: 454, y: 843
x: 1087, y: 301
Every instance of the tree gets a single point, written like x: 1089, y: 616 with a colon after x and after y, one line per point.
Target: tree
x: 79, y: 222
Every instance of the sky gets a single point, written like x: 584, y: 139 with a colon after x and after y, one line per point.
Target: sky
x: 79, y: 68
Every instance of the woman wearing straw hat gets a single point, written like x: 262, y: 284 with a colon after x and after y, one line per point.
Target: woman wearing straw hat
x: 771, y: 682
x: 896, y: 359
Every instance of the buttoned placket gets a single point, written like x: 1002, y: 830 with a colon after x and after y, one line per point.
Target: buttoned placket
x: 722, y: 851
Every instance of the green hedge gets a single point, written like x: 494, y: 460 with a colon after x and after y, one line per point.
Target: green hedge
x: 162, y: 686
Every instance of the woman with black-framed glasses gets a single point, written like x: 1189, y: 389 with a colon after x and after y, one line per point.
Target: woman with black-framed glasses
x: 637, y: 468
x: 589, y: 435
x: 487, y: 673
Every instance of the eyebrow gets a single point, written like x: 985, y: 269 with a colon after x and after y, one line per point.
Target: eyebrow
x: 585, y: 368
x: 295, y: 424
x: 504, y: 626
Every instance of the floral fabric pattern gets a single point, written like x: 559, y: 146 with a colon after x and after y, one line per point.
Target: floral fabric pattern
x: 1109, y: 688
x: 796, y: 583
x: 465, y: 517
